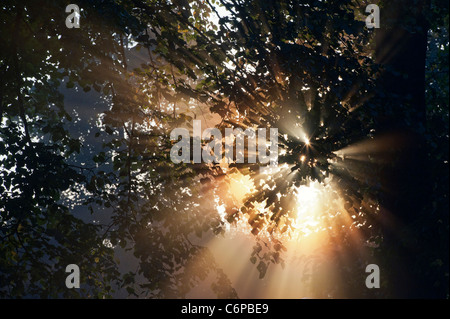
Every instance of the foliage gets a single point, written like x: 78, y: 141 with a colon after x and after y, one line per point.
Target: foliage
x: 305, y: 67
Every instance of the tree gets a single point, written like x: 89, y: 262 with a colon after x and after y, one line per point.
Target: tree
x: 335, y: 90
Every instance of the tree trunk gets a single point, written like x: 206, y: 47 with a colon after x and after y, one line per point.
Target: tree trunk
x: 401, y: 47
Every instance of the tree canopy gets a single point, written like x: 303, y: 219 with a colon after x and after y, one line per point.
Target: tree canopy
x: 85, y: 170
